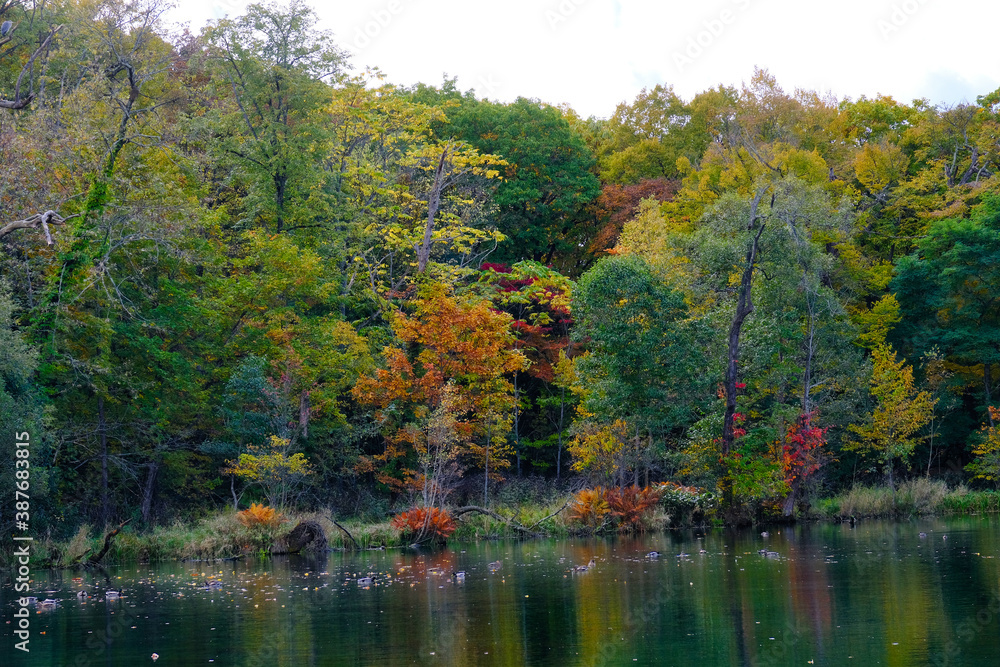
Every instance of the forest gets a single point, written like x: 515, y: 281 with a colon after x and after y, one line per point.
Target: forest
x: 239, y: 269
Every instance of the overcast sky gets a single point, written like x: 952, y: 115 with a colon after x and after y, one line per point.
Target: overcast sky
x: 595, y: 54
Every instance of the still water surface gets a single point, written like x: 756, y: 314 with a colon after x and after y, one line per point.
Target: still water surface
x: 878, y: 593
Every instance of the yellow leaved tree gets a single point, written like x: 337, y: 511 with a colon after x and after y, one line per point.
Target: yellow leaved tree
x: 987, y: 451
x: 273, y: 468
x: 892, y: 430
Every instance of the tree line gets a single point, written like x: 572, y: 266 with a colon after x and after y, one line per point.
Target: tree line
x: 238, y: 266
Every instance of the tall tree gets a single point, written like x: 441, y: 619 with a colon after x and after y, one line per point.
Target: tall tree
x: 275, y: 66
x: 949, y: 292
x: 441, y: 394
x: 548, y: 179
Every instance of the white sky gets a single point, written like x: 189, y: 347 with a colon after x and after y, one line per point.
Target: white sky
x: 594, y: 54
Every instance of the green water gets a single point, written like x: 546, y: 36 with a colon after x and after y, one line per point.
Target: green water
x: 873, y: 594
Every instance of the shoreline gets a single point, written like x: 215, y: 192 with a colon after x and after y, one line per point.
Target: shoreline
x: 220, y: 536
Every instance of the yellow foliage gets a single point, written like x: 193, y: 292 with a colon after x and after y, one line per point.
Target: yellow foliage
x: 272, y: 468
x: 876, y: 322
x: 879, y: 166
x: 900, y: 413
x: 590, y: 507
x: 598, y: 451
x: 987, y: 451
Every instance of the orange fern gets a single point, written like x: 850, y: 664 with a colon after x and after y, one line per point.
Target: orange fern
x: 590, y: 507
x: 630, y: 505
x: 259, y: 515
x: 424, y: 522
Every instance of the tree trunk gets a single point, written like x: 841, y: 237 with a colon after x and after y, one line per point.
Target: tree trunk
x: 562, y: 415
x: 147, y: 492
x: 744, y: 306
x: 433, y: 203
x: 810, y: 348
x: 988, y: 386
x: 102, y: 430
x: 304, y: 413
x: 517, y: 424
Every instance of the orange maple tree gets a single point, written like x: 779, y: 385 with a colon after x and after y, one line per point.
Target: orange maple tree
x: 444, y: 396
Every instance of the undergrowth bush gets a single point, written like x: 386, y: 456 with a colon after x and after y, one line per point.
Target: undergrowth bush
x: 423, y: 522
x: 627, y: 509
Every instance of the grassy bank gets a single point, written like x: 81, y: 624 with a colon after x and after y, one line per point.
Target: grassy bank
x: 224, y: 535
x: 919, y: 496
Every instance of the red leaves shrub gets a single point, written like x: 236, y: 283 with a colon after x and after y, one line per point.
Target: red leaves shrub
x: 425, y: 522
x: 800, y: 451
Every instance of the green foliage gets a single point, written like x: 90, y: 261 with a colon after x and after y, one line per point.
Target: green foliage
x: 948, y: 290
x: 548, y: 178
x: 240, y: 221
x: 644, y: 362
x: 273, y: 64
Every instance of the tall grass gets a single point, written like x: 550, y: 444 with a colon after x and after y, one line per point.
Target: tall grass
x: 913, y: 497
x: 964, y: 501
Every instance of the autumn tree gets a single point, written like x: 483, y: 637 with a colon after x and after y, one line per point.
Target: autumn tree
x: 648, y: 136
x: 274, y: 468
x: 901, y: 411
x: 538, y: 299
x: 986, y: 465
x: 441, y: 393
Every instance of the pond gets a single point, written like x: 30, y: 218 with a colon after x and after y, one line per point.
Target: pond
x: 878, y: 593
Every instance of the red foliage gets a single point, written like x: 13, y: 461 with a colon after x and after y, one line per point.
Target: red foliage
x: 800, y: 452
x: 425, y: 522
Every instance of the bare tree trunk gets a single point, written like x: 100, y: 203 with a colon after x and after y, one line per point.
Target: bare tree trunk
x: 517, y: 424
x: 304, y: 413
x: 562, y: 414
x: 810, y: 347
x: 433, y: 204
x: 988, y: 386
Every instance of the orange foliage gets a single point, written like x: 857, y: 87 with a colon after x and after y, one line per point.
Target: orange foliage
x: 590, y: 507
x: 465, y: 346
x: 425, y: 522
x: 630, y: 505
x: 259, y: 515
